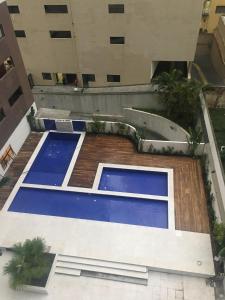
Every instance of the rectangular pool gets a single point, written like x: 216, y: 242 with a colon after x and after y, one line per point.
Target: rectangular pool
x: 134, y: 181
x: 53, y: 159
x: 107, y: 208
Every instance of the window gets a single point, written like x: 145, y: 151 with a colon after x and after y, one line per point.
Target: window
x: 117, y: 40
x: 20, y: 33
x: 6, y: 66
x: 116, y: 8
x: 88, y: 77
x: 7, y: 157
x: 13, y: 9
x: 113, y: 78
x: 60, y: 34
x: 2, y: 114
x: 56, y: 9
x: 220, y: 10
x: 47, y: 76
x: 66, y: 78
x: 2, y: 34
x: 15, y: 96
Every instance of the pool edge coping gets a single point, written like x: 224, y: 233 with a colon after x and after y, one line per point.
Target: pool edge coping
x: 170, y: 186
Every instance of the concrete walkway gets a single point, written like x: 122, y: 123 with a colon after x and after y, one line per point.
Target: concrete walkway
x: 162, y: 286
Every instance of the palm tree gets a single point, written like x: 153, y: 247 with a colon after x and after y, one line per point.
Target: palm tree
x: 28, y: 264
x: 180, y: 96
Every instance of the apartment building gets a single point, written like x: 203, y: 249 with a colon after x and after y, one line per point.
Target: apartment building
x: 103, y: 42
x: 218, y: 48
x: 212, y: 11
x: 15, y: 93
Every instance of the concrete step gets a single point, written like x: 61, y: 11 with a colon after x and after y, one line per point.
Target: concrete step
x: 101, y: 263
x: 67, y: 271
x: 102, y: 269
x: 115, y: 277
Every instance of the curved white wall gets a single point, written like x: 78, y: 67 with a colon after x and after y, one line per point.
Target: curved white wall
x: 170, y: 130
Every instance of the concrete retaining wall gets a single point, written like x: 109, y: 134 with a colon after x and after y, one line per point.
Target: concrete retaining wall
x: 98, y: 100
x: 166, y: 128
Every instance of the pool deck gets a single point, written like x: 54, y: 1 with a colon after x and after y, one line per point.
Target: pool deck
x: 18, y: 165
x: 190, y: 201
x: 188, y: 248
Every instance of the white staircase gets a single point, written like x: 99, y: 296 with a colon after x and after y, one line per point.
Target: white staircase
x: 78, y: 266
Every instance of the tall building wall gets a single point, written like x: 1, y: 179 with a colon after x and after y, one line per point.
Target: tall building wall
x: 153, y: 30
x: 218, y: 48
x: 15, y: 93
x: 214, y: 10
x: 12, y: 79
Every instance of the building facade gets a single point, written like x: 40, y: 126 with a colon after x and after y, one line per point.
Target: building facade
x: 218, y: 48
x: 100, y: 43
x: 212, y: 11
x: 15, y: 93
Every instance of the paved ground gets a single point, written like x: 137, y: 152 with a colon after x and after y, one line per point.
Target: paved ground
x: 162, y: 286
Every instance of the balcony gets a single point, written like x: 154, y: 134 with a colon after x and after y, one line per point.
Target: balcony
x: 6, y: 66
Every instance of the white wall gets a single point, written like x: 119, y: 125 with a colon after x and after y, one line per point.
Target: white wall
x: 17, y: 139
x: 170, y: 130
x: 177, y: 146
x: 144, y: 145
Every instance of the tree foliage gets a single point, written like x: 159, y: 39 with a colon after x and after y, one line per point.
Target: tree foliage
x: 219, y: 236
x: 29, y: 263
x: 194, y: 140
x: 181, y: 97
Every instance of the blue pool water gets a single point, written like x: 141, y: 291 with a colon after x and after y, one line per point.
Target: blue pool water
x: 53, y: 159
x: 134, y: 181
x: 145, y: 212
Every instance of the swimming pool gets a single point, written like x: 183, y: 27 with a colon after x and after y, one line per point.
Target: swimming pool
x: 134, y: 181
x: 53, y: 159
x: 44, y: 189
x: 91, y: 206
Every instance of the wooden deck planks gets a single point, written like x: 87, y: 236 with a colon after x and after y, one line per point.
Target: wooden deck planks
x: 190, y: 202
x: 17, y: 166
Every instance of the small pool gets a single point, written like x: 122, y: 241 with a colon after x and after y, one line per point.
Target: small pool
x: 134, y: 181
x: 53, y: 159
x: 107, y: 208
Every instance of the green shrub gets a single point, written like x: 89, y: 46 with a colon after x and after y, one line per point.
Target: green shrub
x: 180, y: 96
x: 28, y: 264
x: 219, y: 235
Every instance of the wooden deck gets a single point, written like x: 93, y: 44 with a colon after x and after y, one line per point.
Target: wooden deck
x: 190, y: 202
x: 17, y: 166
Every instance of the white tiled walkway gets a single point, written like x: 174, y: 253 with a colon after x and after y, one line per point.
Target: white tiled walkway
x: 162, y: 286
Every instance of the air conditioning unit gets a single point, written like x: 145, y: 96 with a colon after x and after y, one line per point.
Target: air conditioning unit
x: 64, y: 125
